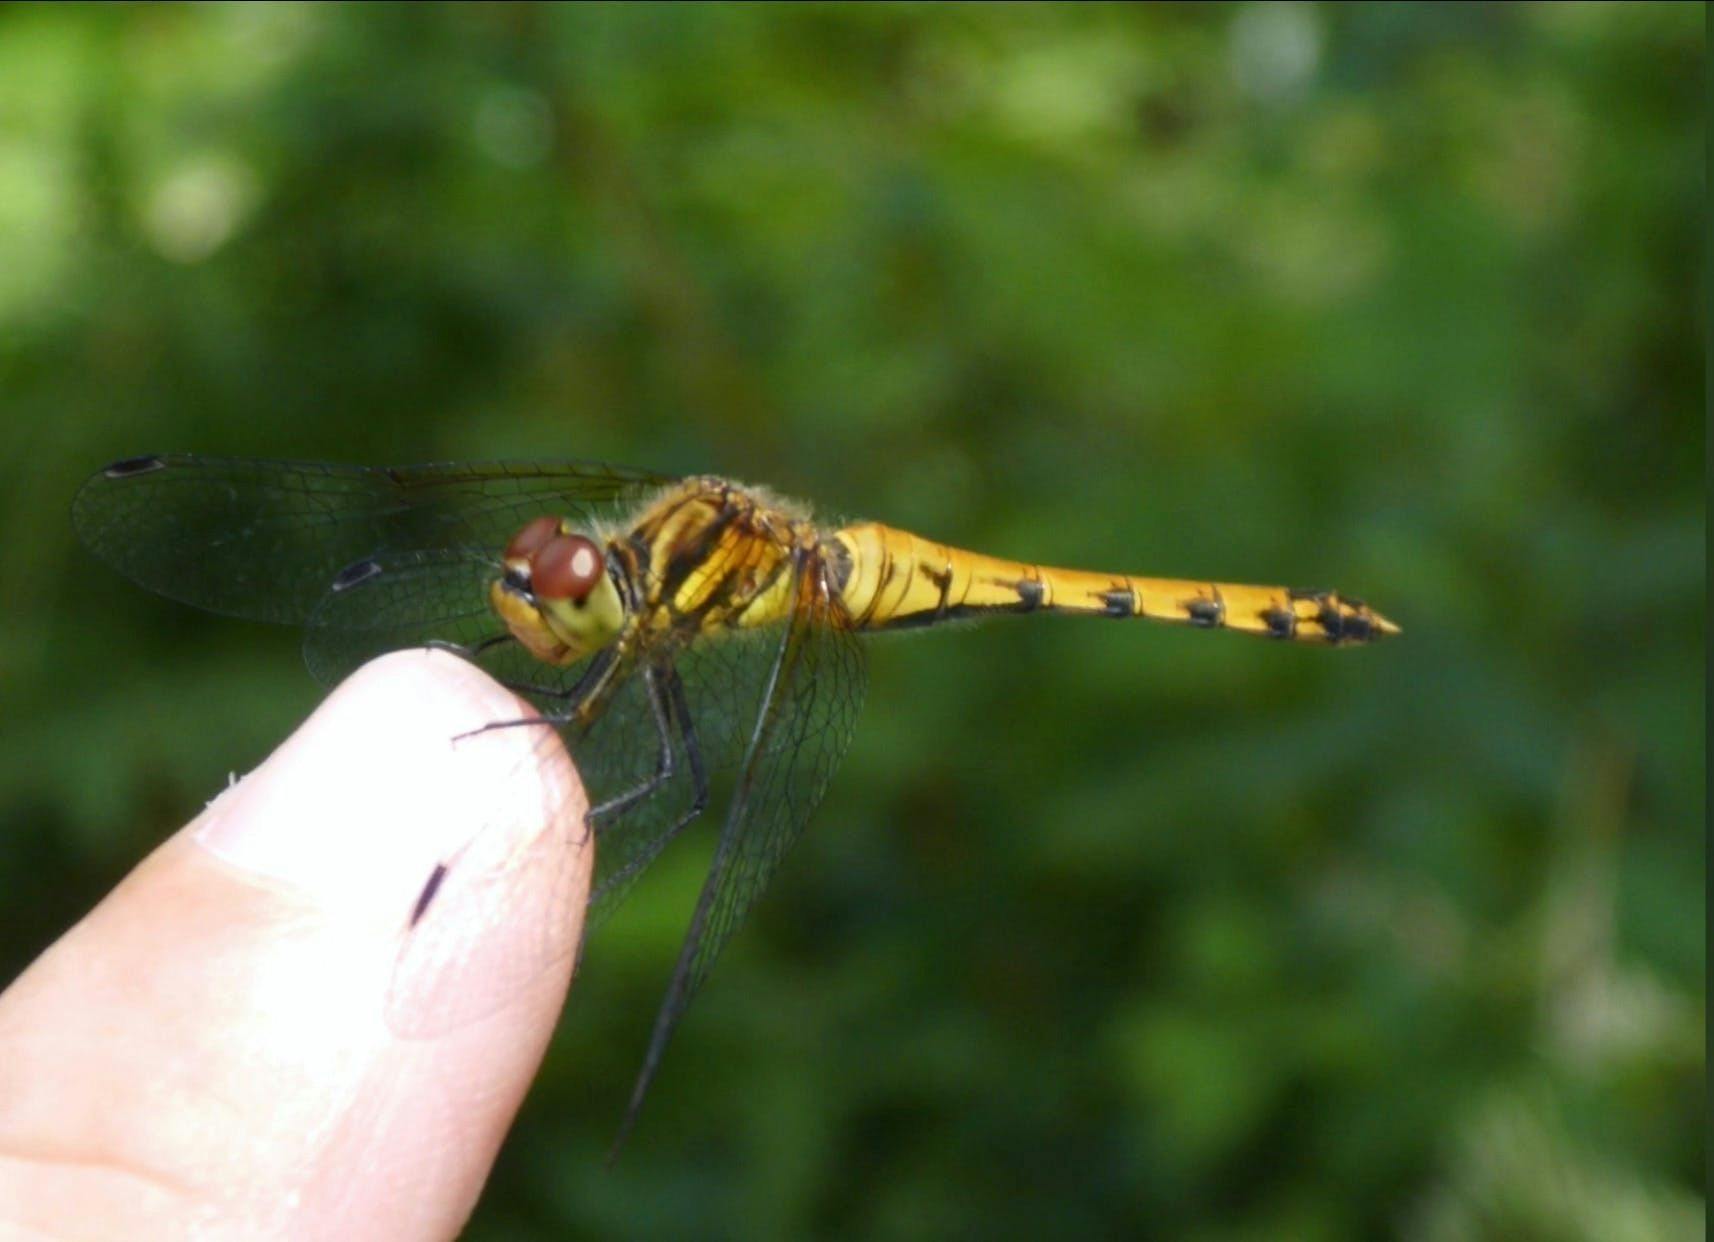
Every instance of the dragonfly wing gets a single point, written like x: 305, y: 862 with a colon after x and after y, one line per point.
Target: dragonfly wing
x: 414, y: 599
x: 265, y: 539
x: 807, y: 713
x: 408, y: 599
x: 719, y: 685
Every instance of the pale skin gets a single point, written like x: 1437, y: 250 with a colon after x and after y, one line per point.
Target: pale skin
x: 207, y: 1054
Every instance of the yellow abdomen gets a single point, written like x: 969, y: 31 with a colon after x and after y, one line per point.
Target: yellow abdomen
x: 899, y: 580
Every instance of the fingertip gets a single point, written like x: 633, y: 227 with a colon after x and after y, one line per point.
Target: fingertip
x: 398, y: 769
x: 221, y: 1019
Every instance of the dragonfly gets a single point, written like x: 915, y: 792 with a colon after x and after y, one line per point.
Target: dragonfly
x: 681, y: 634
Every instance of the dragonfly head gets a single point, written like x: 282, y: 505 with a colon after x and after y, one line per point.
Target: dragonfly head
x: 557, y: 597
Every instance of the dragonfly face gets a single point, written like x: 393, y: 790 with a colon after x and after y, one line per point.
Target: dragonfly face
x: 559, y: 597
x: 712, y: 628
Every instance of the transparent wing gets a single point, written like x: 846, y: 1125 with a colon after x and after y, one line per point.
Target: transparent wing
x: 264, y: 539
x: 412, y: 599
x: 803, y: 724
x: 375, y: 559
x: 721, y: 680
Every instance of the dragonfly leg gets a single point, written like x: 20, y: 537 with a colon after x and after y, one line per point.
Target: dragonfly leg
x: 698, y: 776
x: 596, y: 681
x: 545, y: 692
x: 692, y: 748
x: 592, y: 684
x: 665, y: 768
x: 467, y: 651
x: 673, y: 692
x: 471, y: 651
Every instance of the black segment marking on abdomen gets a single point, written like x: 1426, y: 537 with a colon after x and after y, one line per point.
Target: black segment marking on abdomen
x: 883, y: 580
x: 1120, y: 602
x: 1355, y: 628
x: 1332, y: 624
x: 1030, y: 594
x: 1281, y: 622
x: 942, y: 579
x: 1207, y: 613
x: 872, y: 609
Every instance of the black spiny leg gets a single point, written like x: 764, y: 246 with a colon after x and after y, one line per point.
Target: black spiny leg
x: 563, y: 693
x: 592, y: 684
x: 692, y: 749
x: 464, y: 652
x: 665, y: 686
x: 664, y: 766
x: 673, y: 687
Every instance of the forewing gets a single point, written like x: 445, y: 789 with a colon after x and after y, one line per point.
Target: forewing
x: 804, y: 723
x: 265, y: 539
x: 412, y: 599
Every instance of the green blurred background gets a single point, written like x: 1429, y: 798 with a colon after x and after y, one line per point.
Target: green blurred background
x: 1101, y: 929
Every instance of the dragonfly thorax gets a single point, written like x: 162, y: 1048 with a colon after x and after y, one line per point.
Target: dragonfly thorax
x: 557, y: 596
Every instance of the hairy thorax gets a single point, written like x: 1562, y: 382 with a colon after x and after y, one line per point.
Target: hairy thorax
x: 712, y: 554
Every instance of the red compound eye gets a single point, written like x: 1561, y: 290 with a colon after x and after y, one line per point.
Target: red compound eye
x: 532, y: 536
x: 566, y: 567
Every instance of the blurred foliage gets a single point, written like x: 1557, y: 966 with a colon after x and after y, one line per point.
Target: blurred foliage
x: 1182, y: 935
